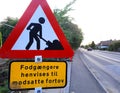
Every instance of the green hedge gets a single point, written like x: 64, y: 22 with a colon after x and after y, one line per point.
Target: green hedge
x: 115, y: 46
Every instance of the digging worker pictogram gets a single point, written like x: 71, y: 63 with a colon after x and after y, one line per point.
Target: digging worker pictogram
x: 35, y: 33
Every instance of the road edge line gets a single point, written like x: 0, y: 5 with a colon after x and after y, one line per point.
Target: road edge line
x: 95, y: 76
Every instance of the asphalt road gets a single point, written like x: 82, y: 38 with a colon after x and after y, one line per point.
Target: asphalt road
x: 82, y: 80
x: 105, y: 66
x: 92, y: 72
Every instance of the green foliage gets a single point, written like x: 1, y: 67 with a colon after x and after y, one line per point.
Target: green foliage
x: 61, y: 14
x: 92, y: 45
x: 73, y: 34
x: 0, y: 39
x: 5, y: 29
x: 115, y: 46
x: 4, y: 89
x: 71, y: 30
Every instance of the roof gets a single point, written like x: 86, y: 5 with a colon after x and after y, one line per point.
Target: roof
x: 105, y: 43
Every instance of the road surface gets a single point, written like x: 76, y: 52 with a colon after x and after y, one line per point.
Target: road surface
x: 82, y: 80
x: 105, y: 66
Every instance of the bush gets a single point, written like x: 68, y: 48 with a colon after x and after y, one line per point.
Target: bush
x: 4, y: 89
x: 115, y: 46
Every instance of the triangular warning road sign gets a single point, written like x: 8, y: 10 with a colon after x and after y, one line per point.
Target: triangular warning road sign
x: 36, y: 33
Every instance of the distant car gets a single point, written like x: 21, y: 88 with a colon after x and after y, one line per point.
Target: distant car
x: 89, y: 49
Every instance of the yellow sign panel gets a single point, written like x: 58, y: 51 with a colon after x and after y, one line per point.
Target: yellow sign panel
x: 29, y: 75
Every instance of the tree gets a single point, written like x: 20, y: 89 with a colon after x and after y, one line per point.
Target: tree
x: 6, y: 27
x: 0, y: 39
x: 92, y: 45
x: 115, y: 46
x: 71, y: 30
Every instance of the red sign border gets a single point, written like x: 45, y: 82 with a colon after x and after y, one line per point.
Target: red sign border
x: 6, y: 50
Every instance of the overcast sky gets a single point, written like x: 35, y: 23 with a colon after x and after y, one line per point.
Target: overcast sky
x: 98, y: 19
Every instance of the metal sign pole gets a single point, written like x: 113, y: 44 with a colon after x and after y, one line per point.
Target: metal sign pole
x: 38, y: 90
x: 38, y: 59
